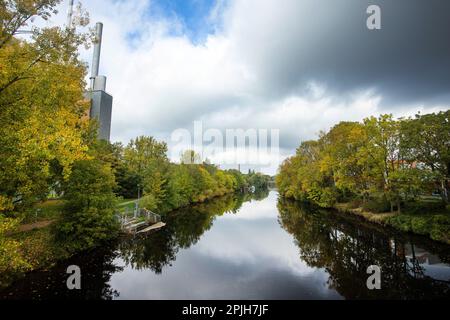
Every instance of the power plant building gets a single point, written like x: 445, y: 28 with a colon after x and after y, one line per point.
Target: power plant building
x: 101, y: 101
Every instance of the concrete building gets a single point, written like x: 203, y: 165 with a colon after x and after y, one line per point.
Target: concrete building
x: 101, y: 109
x: 101, y: 102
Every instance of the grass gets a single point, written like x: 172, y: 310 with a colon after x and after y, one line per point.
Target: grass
x: 379, y: 218
x: 44, y: 211
x: 126, y: 205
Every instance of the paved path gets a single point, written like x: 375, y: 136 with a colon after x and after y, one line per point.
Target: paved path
x: 34, y: 226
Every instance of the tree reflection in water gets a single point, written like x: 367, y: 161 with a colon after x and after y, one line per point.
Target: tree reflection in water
x: 346, y: 246
x: 96, y: 267
x: 184, y: 228
x: 155, y: 251
x: 342, y: 245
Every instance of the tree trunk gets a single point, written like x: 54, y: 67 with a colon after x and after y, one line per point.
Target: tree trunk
x: 444, y: 195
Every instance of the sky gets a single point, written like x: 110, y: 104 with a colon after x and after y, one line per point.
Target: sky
x: 297, y: 66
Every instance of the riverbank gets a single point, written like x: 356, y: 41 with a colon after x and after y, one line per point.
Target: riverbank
x: 284, y: 245
x: 434, y: 225
x: 38, y: 246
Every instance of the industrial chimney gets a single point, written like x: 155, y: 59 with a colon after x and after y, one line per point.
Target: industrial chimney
x: 69, y: 14
x: 101, y: 102
x: 97, y: 51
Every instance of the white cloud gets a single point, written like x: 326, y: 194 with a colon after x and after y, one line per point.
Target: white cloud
x: 237, y: 78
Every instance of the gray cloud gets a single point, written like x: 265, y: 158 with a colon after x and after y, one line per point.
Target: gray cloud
x: 328, y: 42
x: 295, y: 65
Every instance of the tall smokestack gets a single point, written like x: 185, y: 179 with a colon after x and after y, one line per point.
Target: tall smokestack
x: 97, y: 51
x: 101, y: 102
x: 70, y: 14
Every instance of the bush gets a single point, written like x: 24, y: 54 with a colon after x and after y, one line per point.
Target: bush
x: 88, y: 215
x: 441, y: 228
x: 437, y: 227
x: 148, y: 202
x: 11, y: 259
x: 377, y: 205
x: 323, y: 197
x: 421, y: 225
x: 401, y: 222
x: 424, y: 207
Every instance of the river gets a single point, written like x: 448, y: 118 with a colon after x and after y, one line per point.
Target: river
x: 258, y: 247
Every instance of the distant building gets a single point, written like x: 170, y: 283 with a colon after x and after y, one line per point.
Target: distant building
x: 101, y: 102
x: 101, y: 109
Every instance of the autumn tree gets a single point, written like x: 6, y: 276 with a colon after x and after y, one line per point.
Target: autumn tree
x: 88, y: 215
x: 191, y: 157
x: 426, y: 141
x: 146, y: 160
x: 381, y: 160
x: 15, y: 14
x: 341, y: 157
x: 41, y: 105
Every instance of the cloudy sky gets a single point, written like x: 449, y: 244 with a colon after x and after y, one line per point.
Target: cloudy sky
x: 299, y: 66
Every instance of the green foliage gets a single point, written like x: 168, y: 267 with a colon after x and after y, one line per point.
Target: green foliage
x: 420, y: 225
x: 422, y: 207
x: 258, y: 180
x: 323, y: 197
x: 440, y: 230
x: 143, y: 169
x: 41, y: 120
x: 381, y: 156
x: 47, y: 143
x: 435, y: 226
x: 11, y: 259
x: 377, y: 204
x: 401, y: 222
x: 15, y: 13
x: 190, y: 157
x: 88, y: 215
x: 148, y: 202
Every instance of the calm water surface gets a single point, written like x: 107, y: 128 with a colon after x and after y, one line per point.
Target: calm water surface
x: 260, y: 248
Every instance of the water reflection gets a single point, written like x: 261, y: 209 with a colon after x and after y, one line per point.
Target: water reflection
x: 184, y: 229
x: 234, y: 249
x: 150, y: 253
x: 242, y: 247
x: 345, y: 247
x: 97, y: 268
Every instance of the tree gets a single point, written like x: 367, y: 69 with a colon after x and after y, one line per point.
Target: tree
x: 41, y: 118
x: 146, y: 161
x: 342, y: 145
x: 15, y: 14
x: 88, y: 216
x: 191, y: 157
x: 426, y: 141
x: 11, y: 260
x: 382, y: 157
x: 381, y: 160
x: 180, y: 186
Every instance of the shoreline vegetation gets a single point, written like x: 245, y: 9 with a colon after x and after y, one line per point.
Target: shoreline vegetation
x: 393, y: 172
x: 431, y: 225
x: 41, y: 249
x: 85, y: 214
x: 49, y: 149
